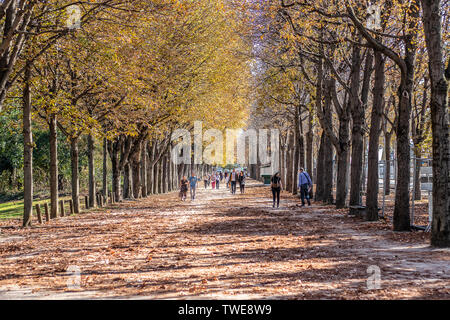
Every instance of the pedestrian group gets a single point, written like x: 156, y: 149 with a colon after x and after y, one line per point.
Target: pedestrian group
x: 232, y: 179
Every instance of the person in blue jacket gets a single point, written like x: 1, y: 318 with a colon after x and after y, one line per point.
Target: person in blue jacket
x: 305, y: 185
x: 193, y: 184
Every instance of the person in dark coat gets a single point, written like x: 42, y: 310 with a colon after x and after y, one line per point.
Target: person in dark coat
x: 241, y: 180
x: 183, y: 188
x: 276, y: 187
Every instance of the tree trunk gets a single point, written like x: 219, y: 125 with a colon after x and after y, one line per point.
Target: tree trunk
x: 282, y: 163
x: 401, y: 211
x: 309, y: 150
x: 375, y: 130
x: 135, y: 159
x: 128, y: 182
x: 289, y: 164
x: 164, y: 176
x: 328, y: 172
x: 402, y: 220
x: 387, y: 169
x: 151, y: 151
x: 53, y: 167
x: 105, y: 168
x: 302, y: 163
x: 151, y: 179
x: 27, y: 152
x: 157, y: 177
x: 296, y: 155
x: 92, y: 187
x: 418, y: 136
x: 301, y: 143
x: 115, y: 167
x: 160, y: 178
x: 342, y: 160
x: 440, y: 231
x: 144, y: 169
x: 170, y: 173
x: 320, y: 170
x: 364, y: 166
x: 309, y: 146
x: 341, y: 181
x: 135, y: 165
x: 320, y: 188
x: 358, y: 116
x: 74, y: 156
x: 328, y: 147
x: 368, y: 69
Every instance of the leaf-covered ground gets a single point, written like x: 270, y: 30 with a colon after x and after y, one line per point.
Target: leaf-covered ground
x: 219, y: 247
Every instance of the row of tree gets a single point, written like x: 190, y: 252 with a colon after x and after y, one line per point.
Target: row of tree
x: 345, y: 72
x: 328, y: 74
x: 123, y: 74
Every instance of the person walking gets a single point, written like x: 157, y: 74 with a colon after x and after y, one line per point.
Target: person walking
x: 213, y: 181
x: 305, y: 185
x: 233, y: 180
x: 193, y: 184
x: 226, y: 176
x: 276, y: 189
x: 205, y: 180
x: 217, y: 181
x: 183, y: 188
x: 241, y: 180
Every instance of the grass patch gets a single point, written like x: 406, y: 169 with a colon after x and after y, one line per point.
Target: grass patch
x: 14, y: 209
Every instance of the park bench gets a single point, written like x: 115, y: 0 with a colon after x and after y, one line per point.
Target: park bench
x: 360, y: 211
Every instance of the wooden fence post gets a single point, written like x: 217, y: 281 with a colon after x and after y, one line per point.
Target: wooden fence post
x: 100, y: 200
x: 71, y: 207
x: 47, y: 212
x: 38, y: 212
x: 78, y: 206
x: 61, y: 204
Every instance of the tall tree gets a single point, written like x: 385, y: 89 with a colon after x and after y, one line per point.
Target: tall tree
x: 439, y: 76
x: 406, y: 64
x: 28, y: 150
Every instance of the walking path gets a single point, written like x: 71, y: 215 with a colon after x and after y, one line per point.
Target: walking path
x: 219, y: 246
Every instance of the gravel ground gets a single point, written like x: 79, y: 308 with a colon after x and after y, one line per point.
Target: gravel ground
x: 219, y: 246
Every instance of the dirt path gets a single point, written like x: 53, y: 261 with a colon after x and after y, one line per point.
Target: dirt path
x: 219, y: 247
